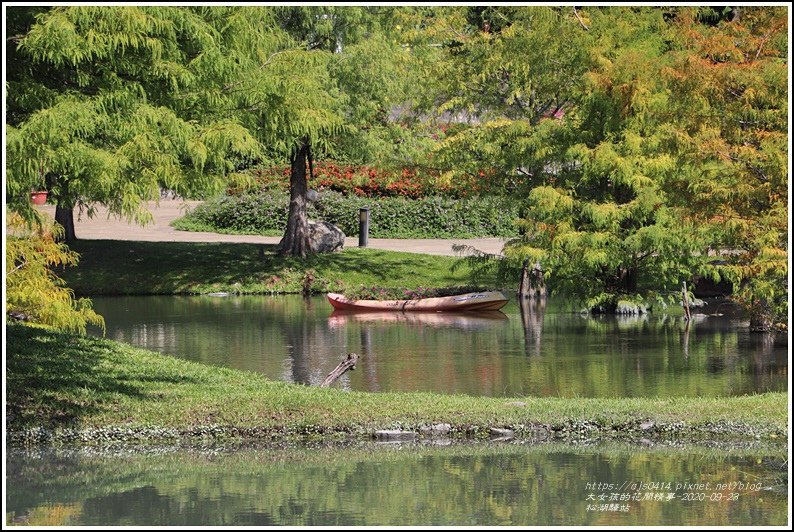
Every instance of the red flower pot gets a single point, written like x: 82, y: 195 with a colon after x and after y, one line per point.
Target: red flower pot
x: 38, y: 197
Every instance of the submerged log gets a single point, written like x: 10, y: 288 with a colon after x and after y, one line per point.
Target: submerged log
x: 347, y: 364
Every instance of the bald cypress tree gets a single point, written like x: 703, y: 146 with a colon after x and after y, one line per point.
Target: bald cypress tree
x: 106, y: 105
x: 340, y: 96
x: 99, y: 111
x: 563, y: 106
x: 671, y: 146
x: 728, y: 78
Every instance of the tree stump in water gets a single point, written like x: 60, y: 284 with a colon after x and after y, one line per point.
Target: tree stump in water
x: 532, y: 283
x: 685, y: 302
x: 347, y: 364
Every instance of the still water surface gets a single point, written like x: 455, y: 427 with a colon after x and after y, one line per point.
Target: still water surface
x: 531, y: 350
x: 387, y: 484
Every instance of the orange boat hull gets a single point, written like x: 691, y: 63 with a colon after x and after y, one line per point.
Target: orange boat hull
x: 472, y: 301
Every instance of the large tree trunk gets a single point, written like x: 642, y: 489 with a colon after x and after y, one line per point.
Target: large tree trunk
x: 65, y: 217
x: 628, y: 280
x: 295, y: 241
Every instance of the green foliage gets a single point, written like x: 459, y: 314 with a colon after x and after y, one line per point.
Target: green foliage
x: 670, y: 144
x: 326, y: 74
x: 111, y: 104
x: 512, y: 76
x: 635, y: 140
x: 601, y: 226
x: 263, y: 213
x: 33, y: 292
x: 115, y: 120
x: 431, y: 217
x: 375, y: 73
x: 729, y: 85
x: 331, y: 94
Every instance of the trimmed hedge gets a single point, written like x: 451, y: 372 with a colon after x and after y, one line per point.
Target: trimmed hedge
x: 431, y: 217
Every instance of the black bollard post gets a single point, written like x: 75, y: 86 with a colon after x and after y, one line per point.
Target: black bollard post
x: 363, y: 227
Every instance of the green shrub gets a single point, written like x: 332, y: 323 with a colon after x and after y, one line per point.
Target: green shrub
x: 263, y: 213
x: 33, y: 291
x: 431, y: 217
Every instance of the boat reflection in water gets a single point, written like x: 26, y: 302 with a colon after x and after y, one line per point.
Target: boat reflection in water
x: 467, y: 321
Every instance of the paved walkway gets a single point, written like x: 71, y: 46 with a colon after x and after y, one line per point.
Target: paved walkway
x: 102, y: 227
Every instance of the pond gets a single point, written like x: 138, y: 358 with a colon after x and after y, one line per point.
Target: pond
x: 386, y: 484
x: 532, y: 349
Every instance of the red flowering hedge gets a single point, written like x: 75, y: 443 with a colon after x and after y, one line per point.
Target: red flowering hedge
x: 362, y: 180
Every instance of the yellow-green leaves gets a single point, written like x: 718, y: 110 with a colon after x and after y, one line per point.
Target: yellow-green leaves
x: 84, y: 34
x: 33, y: 291
x: 729, y: 95
x: 551, y: 204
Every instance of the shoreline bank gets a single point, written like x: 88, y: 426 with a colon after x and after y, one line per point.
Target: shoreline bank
x: 69, y: 388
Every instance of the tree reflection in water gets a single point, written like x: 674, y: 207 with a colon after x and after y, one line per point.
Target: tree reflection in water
x: 534, y: 347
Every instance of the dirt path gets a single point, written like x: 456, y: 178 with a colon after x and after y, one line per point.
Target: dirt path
x: 102, y: 227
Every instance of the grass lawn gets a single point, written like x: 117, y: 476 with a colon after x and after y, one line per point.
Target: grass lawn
x: 57, y: 381
x: 110, y: 267
x: 185, y: 223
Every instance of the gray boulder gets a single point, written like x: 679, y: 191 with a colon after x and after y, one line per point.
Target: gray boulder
x: 325, y: 237
x: 395, y: 435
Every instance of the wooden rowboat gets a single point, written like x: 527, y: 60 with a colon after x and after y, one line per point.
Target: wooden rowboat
x: 471, y: 301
